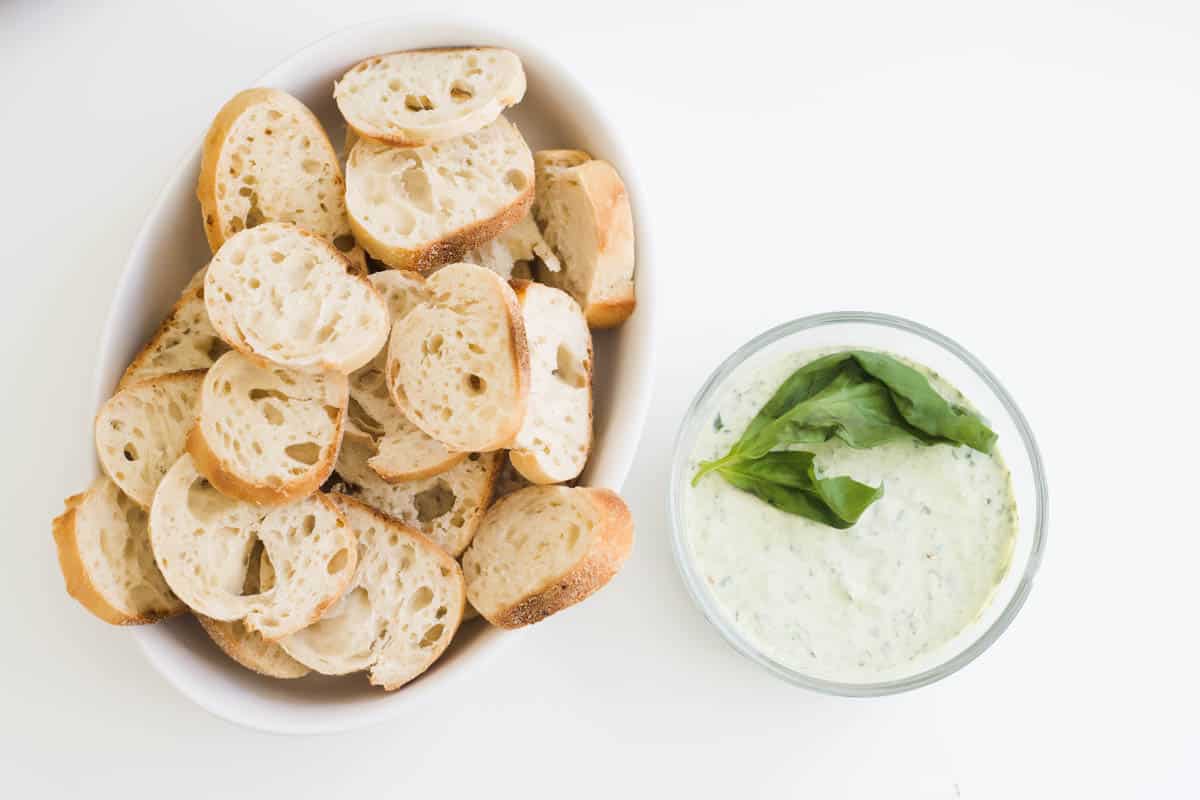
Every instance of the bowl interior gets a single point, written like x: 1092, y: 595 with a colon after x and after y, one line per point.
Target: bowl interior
x: 556, y: 112
x: 1016, y: 444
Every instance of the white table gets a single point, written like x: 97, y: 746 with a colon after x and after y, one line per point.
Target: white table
x: 1025, y: 178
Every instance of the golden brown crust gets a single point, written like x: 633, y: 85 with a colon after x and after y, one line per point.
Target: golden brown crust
x: 610, y: 312
x: 236, y: 649
x: 520, y: 353
x: 451, y: 247
x: 611, y: 543
x: 75, y: 574
x: 193, y: 289
x: 210, y: 156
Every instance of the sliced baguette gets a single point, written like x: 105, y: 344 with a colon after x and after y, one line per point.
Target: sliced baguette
x: 404, y: 451
x: 422, y: 96
x: 142, y: 431
x: 185, y: 341
x: 203, y: 542
x: 400, y: 612
x: 583, y: 210
x: 513, y: 253
x: 104, y: 552
x: 543, y: 549
x: 266, y: 434
x: 266, y: 158
x: 447, y: 507
x: 419, y: 208
x: 458, y: 365
x: 283, y: 294
x: 556, y: 436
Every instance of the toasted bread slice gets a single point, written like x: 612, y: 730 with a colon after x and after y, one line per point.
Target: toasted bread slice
x: 447, y: 507
x: 419, y: 208
x: 422, y: 96
x: 266, y: 434
x: 556, y: 436
x: 543, y: 549
x: 583, y: 210
x: 185, y: 341
x: 514, y: 252
x: 266, y: 158
x: 400, y: 612
x: 203, y: 542
x: 404, y: 451
x: 458, y: 365
x: 104, y: 553
x: 283, y: 294
x: 142, y: 431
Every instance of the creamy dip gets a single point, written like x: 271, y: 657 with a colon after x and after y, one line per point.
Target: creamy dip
x: 854, y: 605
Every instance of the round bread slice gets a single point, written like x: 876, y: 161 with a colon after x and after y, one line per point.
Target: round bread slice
x: 266, y: 434
x: 419, y: 208
x: 542, y: 549
x: 104, y: 552
x: 248, y: 647
x: 203, y: 542
x: 422, y: 96
x: 458, y: 365
x: 281, y: 293
x: 404, y: 451
x: 266, y: 158
x: 446, y: 507
x: 556, y: 436
x: 185, y: 341
x: 142, y: 431
x: 400, y: 612
x: 584, y: 213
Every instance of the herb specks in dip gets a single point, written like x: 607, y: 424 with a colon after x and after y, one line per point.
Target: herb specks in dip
x: 854, y: 605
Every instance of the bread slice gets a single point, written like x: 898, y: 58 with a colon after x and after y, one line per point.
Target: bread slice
x: 266, y: 158
x: 404, y: 451
x: 185, y: 341
x: 513, y: 253
x: 419, y: 208
x: 447, y: 507
x: 266, y: 434
x: 104, y: 553
x: 400, y: 612
x: 423, y: 96
x: 584, y: 213
x: 458, y: 365
x: 203, y: 542
x: 248, y: 647
x: 142, y: 431
x: 279, y: 292
x: 556, y: 436
x: 543, y: 549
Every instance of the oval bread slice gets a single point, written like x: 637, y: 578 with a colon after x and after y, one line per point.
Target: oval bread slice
x: 185, y: 341
x: 419, y: 208
x: 104, y: 552
x: 446, y: 507
x: 422, y: 96
x: 141, y: 431
x: 400, y: 612
x: 281, y: 293
x: 458, y: 365
x: 543, y: 549
x: 203, y: 542
x: 266, y: 158
x: 267, y: 434
x: 404, y: 451
x: 556, y: 436
x: 583, y: 210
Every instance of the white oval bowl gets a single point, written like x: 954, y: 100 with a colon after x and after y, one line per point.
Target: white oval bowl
x: 556, y: 112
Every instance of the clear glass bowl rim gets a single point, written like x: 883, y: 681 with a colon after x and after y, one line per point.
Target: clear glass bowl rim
x: 707, y: 605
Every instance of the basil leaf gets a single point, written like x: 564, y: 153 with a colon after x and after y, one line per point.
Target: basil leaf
x: 787, y: 480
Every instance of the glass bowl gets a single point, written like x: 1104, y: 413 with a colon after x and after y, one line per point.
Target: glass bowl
x: 855, y: 329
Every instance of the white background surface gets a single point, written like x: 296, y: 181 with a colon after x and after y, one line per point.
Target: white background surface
x: 1023, y: 176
